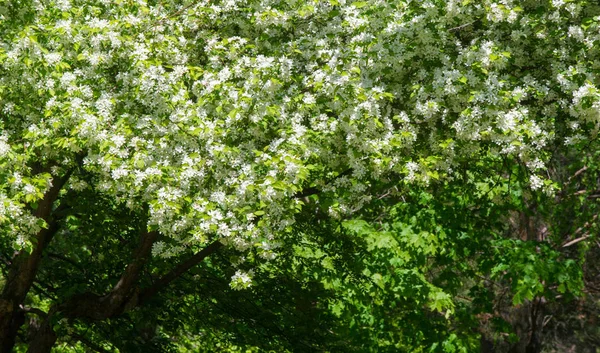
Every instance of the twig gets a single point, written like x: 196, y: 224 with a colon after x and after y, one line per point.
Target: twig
x: 577, y: 173
x: 546, y: 320
x: 89, y: 343
x: 314, y: 190
x: 575, y: 241
x: 579, y: 230
x: 461, y: 26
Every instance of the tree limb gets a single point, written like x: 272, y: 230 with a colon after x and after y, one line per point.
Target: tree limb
x: 458, y: 28
x: 314, y: 190
x: 178, y: 271
x: 121, y: 297
x: 35, y: 311
x: 89, y: 343
x: 92, y: 306
x: 578, y: 231
x: 575, y: 241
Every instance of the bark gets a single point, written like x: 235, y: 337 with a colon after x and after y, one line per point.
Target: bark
x: 23, y: 269
x: 10, y: 321
x: 44, y: 338
x: 486, y: 346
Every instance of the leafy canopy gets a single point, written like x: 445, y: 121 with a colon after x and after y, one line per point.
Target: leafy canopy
x: 410, y: 131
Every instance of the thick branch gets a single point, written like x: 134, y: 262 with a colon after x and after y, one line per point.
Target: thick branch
x: 122, y: 296
x: 35, y: 311
x: 179, y: 270
x: 44, y: 338
x: 133, y: 270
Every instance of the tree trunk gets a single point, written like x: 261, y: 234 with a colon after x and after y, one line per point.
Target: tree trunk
x: 44, y: 338
x: 11, y: 320
x: 485, y: 345
x: 527, y: 322
x: 23, y: 269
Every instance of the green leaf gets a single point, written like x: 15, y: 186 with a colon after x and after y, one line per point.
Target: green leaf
x: 360, y: 4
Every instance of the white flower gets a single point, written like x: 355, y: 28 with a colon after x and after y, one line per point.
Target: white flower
x: 18, y: 179
x: 119, y: 173
x: 411, y: 168
x: 158, y: 248
x: 576, y: 33
x: 241, y: 280
x: 67, y: 79
x: 218, y: 197
x: 263, y: 62
x: 118, y: 140
x: 98, y: 23
x: 4, y: 146
x: 508, y: 122
x: 29, y: 189
x: 309, y: 99
x: 63, y: 5
x: 53, y: 58
x: 535, y: 182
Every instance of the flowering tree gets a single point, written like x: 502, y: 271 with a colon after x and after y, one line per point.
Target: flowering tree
x: 191, y: 126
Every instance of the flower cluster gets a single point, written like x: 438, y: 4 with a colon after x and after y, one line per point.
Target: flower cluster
x: 218, y: 115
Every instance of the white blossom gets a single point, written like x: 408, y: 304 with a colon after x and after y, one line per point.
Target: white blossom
x: 535, y: 182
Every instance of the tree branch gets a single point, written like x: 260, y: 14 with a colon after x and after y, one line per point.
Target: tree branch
x: 575, y: 241
x: 578, y: 231
x: 314, y: 190
x: 121, y: 297
x: 175, y: 273
x: 67, y: 260
x: 89, y: 343
x: 35, y: 311
x: 458, y: 28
